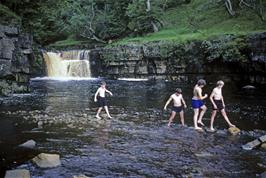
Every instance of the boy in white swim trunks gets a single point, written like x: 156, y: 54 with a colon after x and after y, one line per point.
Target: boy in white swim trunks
x: 102, y: 100
x: 217, y: 101
x: 179, y: 102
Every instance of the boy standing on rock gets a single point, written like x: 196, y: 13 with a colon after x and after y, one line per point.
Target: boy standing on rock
x: 179, y: 102
x: 102, y: 100
x: 217, y: 100
x: 197, y: 104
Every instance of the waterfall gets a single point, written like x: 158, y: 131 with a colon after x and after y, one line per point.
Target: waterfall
x: 75, y: 63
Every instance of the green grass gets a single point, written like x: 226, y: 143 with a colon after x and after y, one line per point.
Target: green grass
x: 68, y: 42
x: 199, y: 20
x: 7, y: 17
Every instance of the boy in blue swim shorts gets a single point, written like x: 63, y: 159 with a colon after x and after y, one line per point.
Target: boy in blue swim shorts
x: 198, y: 105
x: 179, y: 102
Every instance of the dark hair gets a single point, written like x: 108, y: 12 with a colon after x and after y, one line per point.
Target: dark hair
x: 103, y: 83
x: 178, y: 90
x: 201, y: 82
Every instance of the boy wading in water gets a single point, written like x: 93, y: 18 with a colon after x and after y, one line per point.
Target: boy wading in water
x: 102, y: 100
x: 217, y: 100
x: 179, y: 102
x: 198, y: 104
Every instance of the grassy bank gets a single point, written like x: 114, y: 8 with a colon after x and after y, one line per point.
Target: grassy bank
x: 199, y: 20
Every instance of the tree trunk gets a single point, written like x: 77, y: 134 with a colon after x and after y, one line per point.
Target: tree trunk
x: 229, y: 7
x: 148, y: 9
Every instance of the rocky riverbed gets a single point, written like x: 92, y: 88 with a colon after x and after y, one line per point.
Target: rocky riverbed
x: 59, y: 116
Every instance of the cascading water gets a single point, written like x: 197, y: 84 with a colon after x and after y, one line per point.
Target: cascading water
x: 75, y: 63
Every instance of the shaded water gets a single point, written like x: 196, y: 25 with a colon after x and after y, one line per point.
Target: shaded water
x: 136, y: 142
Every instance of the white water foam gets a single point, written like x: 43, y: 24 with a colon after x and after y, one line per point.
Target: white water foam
x: 133, y: 79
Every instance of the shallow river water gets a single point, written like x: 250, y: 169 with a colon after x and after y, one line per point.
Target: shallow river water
x: 60, y: 117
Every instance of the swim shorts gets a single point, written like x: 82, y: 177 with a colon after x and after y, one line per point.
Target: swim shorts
x: 219, y: 105
x: 102, y: 101
x: 177, y: 109
x: 196, y: 104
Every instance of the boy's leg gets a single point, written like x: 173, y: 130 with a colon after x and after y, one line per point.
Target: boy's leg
x: 195, y: 118
x: 214, y: 112
x: 107, y: 111
x: 181, y: 114
x: 173, y: 113
x: 203, y: 110
x: 226, y: 118
x: 98, y: 112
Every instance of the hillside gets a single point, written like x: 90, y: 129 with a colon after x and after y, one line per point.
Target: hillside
x: 202, y: 19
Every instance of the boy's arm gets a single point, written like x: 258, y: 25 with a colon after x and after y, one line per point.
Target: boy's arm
x: 95, y: 96
x: 109, y: 92
x: 166, y: 104
x: 223, y: 100
x: 211, y: 98
x: 200, y: 94
x: 184, y: 103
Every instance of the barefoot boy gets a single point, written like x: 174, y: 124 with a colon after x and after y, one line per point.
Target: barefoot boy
x: 198, y: 104
x: 217, y: 100
x: 102, y: 100
x: 177, y: 108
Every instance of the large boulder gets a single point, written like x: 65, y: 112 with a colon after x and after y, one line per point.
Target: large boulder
x: 44, y: 160
x: 19, y: 173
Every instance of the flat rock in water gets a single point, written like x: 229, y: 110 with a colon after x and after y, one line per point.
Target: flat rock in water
x: 18, y: 173
x: 255, y: 143
x: 28, y: 144
x: 251, y: 145
x: 234, y: 130
x: 263, y: 138
x: 44, y: 160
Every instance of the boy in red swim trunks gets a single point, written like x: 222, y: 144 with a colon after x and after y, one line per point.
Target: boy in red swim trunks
x: 179, y: 102
x: 217, y: 100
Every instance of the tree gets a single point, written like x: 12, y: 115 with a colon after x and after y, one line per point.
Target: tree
x: 257, y: 5
x: 144, y: 16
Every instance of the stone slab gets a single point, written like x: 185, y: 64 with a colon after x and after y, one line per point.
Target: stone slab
x: 19, y: 173
x: 44, y: 160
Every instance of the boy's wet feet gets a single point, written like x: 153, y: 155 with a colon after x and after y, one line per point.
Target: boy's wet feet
x: 201, y: 123
x: 110, y: 117
x: 212, y: 130
x: 98, y: 117
x: 199, y: 129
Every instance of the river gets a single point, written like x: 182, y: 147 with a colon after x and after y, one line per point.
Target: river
x: 60, y: 117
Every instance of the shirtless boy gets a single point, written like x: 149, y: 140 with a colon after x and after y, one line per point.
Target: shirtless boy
x: 102, y: 100
x: 198, y: 105
x: 217, y: 100
x: 179, y: 102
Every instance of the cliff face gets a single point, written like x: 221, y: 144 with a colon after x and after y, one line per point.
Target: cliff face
x: 15, y: 60
x: 228, y: 57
